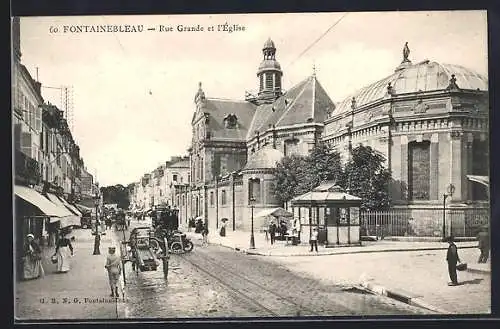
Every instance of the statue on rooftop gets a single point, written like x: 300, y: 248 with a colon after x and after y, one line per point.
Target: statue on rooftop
x: 406, y: 53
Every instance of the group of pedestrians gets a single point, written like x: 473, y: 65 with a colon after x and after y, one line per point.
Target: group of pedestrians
x: 33, y: 256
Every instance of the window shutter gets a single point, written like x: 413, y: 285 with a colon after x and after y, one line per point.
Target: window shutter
x: 17, y: 136
x: 38, y: 118
x: 26, y: 143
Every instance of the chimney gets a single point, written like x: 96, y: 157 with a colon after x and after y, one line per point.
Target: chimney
x: 38, y: 87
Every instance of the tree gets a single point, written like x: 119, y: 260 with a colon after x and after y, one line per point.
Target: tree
x: 324, y: 164
x: 116, y: 194
x: 297, y: 175
x: 290, y: 172
x: 367, y: 178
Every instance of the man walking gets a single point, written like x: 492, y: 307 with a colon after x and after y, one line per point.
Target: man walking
x: 484, y: 245
x: 114, y: 267
x: 314, y: 239
x: 204, y: 234
x: 452, y: 259
x: 272, y: 231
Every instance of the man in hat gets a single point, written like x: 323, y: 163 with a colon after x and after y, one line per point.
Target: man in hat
x: 114, y: 267
x: 452, y: 259
x: 484, y: 244
x: 314, y: 239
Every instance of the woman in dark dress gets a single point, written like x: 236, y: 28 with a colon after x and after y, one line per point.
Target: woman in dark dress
x: 32, y: 260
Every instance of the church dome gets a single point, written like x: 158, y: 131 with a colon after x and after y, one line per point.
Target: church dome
x: 269, y: 44
x: 269, y: 64
x: 266, y: 158
x: 421, y: 77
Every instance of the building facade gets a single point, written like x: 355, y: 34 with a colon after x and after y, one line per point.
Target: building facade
x: 237, y: 143
x: 430, y: 122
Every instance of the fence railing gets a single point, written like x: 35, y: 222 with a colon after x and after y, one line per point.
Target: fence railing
x: 424, y: 222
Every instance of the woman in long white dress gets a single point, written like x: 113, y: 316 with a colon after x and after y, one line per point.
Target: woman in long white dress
x: 64, y: 252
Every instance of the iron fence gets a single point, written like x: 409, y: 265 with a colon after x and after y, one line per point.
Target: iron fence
x: 424, y: 222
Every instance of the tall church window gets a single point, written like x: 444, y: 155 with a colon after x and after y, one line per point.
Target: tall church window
x: 223, y: 199
x: 480, y: 167
x: 419, y: 170
x: 211, y: 198
x: 254, y: 190
x: 261, y: 85
x: 269, y: 81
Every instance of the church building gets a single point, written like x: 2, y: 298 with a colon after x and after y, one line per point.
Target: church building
x: 429, y: 120
x: 237, y: 143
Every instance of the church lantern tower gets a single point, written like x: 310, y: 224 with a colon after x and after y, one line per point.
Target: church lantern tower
x: 269, y: 74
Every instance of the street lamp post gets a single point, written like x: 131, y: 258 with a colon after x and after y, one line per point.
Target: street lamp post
x: 252, y: 238
x: 97, y: 239
x: 450, y: 190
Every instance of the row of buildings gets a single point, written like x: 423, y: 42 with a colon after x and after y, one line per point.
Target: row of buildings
x: 429, y: 120
x: 157, y: 188
x: 50, y: 176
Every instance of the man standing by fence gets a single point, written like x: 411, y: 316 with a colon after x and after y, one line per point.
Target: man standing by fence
x: 484, y: 244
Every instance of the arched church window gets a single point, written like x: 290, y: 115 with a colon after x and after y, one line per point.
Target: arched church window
x: 291, y: 146
x: 261, y: 82
x: 223, y: 199
x: 419, y: 170
x: 254, y: 190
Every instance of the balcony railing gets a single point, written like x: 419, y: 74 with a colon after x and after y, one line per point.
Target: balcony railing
x: 27, y: 169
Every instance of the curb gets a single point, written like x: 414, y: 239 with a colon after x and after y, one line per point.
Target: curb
x: 402, y: 297
x: 259, y: 253
x: 478, y: 271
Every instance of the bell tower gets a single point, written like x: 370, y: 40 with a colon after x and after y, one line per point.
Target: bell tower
x: 269, y: 74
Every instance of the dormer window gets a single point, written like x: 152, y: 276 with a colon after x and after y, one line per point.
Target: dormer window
x: 230, y: 121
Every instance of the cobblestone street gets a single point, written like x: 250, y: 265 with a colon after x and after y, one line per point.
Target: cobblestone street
x: 215, y: 281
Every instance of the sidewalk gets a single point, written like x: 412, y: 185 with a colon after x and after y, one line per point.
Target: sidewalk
x: 240, y: 241
x: 82, y: 293
x: 417, y: 276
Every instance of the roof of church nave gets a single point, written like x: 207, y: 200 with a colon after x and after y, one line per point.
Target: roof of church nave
x: 305, y: 101
x: 412, y: 78
x: 219, y: 109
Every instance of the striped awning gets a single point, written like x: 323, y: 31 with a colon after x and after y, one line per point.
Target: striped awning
x: 39, y: 201
x: 72, y: 208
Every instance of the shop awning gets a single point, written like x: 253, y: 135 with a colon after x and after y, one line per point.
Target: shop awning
x: 43, y: 204
x: 484, y: 180
x: 276, y: 212
x: 55, y: 200
x: 83, y: 208
x: 72, y: 208
x: 70, y: 221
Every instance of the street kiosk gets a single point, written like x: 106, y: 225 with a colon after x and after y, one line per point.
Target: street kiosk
x: 334, y: 212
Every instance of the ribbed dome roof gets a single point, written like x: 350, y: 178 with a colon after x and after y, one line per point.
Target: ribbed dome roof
x: 269, y: 44
x: 421, y: 77
x: 269, y: 64
x: 265, y: 158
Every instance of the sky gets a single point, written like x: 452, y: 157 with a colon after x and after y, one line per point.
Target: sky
x: 132, y: 93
